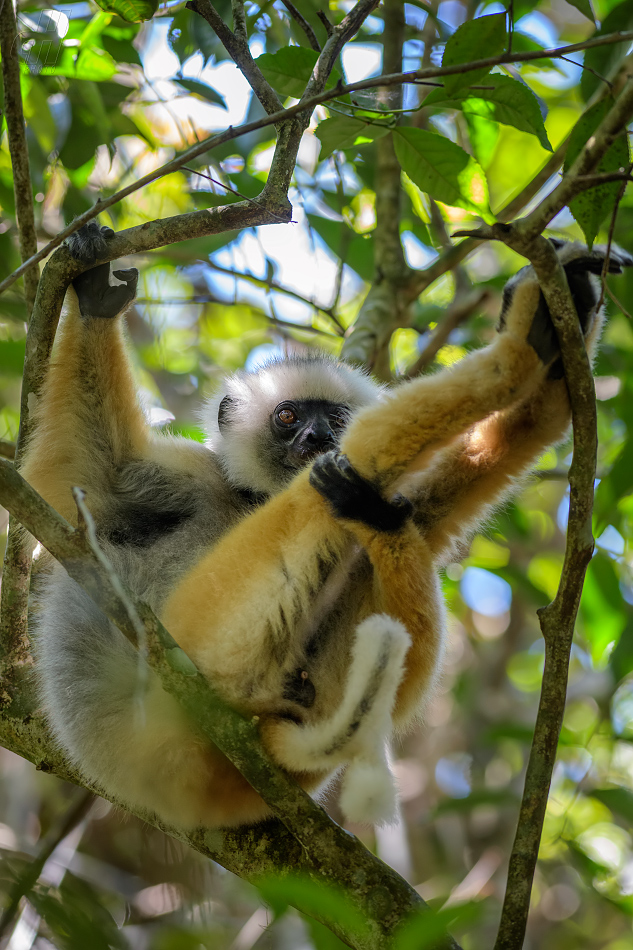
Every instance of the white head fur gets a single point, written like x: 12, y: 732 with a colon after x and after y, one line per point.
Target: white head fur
x: 241, y: 445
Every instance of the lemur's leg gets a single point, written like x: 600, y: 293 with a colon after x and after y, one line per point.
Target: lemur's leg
x: 483, y: 466
x: 88, y: 417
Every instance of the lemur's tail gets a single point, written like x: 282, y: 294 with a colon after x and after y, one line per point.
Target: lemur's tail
x: 355, y: 733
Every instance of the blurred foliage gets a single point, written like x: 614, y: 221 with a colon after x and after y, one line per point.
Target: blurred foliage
x: 106, y: 100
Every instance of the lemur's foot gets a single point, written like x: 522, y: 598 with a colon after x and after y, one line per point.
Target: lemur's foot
x: 353, y: 497
x: 581, y: 267
x: 97, y: 297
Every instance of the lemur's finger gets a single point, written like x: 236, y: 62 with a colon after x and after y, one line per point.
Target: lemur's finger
x: 117, y: 298
x: 129, y: 275
x: 353, y: 497
x: 90, y: 242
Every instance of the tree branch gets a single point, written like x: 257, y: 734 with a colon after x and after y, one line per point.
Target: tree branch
x: 17, y: 562
x: 386, y: 305
x: 303, y: 23
x: 558, y: 619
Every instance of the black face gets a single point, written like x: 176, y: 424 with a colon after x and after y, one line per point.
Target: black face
x: 305, y: 428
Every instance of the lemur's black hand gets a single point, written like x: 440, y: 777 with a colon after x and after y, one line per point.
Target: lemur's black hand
x: 97, y: 298
x: 353, y: 497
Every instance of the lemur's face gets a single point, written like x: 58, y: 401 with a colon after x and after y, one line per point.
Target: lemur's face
x: 301, y: 429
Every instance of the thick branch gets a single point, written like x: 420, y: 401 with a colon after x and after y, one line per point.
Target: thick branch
x: 17, y: 562
x: 386, y: 305
x: 382, y: 897
x: 18, y: 149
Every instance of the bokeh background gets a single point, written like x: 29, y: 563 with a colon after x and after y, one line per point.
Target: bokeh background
x: 106, y: 101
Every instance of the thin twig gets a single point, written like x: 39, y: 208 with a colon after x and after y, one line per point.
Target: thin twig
x: 588, y: 69
x: 329, y: 29
x: 613, y: 297
x: 607, y: 256
x: 274, y: 285
x: 234, y: 191
x: 303, y: 23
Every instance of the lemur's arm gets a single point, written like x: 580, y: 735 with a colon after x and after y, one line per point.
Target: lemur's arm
x: 467, y: 479
x: 88, y: 417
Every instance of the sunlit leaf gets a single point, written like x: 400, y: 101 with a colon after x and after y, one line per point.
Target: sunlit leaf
x: 507, y: 101
x: 591, y: 207
x: 289, y: 69
x: 134, y: 11
x: 442, y: 169
x: 341, y: 132
x: 475, y: 39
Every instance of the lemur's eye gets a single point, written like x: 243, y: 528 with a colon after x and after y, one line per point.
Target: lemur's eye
x: 287, y: 416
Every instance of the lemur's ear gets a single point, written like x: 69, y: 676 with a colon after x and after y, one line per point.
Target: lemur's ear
x: 224, y: 411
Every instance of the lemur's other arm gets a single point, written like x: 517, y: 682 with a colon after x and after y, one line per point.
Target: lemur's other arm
x: 88, y: 417
x: 482, y: 467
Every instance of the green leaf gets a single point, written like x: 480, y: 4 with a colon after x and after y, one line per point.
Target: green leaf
x: 483, y: 135
x: 591, y: 207
x: 442, y: 169
x: 507, y: 101
x: 95, y: 64
x: 475, y: 39
x: 343, y: 132
x: 289, y: 69
x: 316, y: 899
x: 201, y: 89
x: 603, y: 59
x: 134, y: 11
x: 426, y: 928
x: 584, y: 7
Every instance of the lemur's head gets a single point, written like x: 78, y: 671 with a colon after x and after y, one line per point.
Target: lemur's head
x: 266, y: 425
